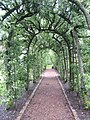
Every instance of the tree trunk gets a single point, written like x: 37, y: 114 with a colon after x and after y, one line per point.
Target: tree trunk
x: 10, y: 82
x: 79, y: 57
x: 81, y: 7
x: 27, y: 80
x: 64, y: 57
x: 66, y: 64
x: 71, y: 73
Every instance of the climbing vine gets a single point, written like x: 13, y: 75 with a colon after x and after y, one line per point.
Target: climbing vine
x: 30, y: 29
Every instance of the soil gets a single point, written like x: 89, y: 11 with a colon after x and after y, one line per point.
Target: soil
x: 76, y: 103
x: 49, y: 102
x: 74, y: 100
x: 13, y: 113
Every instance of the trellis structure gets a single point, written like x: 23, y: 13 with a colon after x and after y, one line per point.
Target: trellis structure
x: 31, y: 26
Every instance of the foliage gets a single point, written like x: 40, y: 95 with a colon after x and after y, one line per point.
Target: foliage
x: 32, y: 29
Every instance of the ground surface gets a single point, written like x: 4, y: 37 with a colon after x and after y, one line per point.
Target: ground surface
x: 49, y: 84
x: 49, y: 103
x: 76, y: 103
x: 13, y: 113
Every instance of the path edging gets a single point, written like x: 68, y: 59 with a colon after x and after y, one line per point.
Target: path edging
x: 28, y: 101
x: 71, y: 108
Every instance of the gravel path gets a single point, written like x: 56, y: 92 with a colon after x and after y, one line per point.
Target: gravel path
x: 49, y: 102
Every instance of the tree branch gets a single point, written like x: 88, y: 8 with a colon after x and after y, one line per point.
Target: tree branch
x: 10, y: 12
x: 25, y: 16
x: 81, y: 7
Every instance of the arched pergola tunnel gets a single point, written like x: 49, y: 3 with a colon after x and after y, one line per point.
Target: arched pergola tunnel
x: 32, y: 27
x: 59, y: 46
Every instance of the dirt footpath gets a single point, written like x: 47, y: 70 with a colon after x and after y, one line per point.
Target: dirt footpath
x: 49, y: 103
